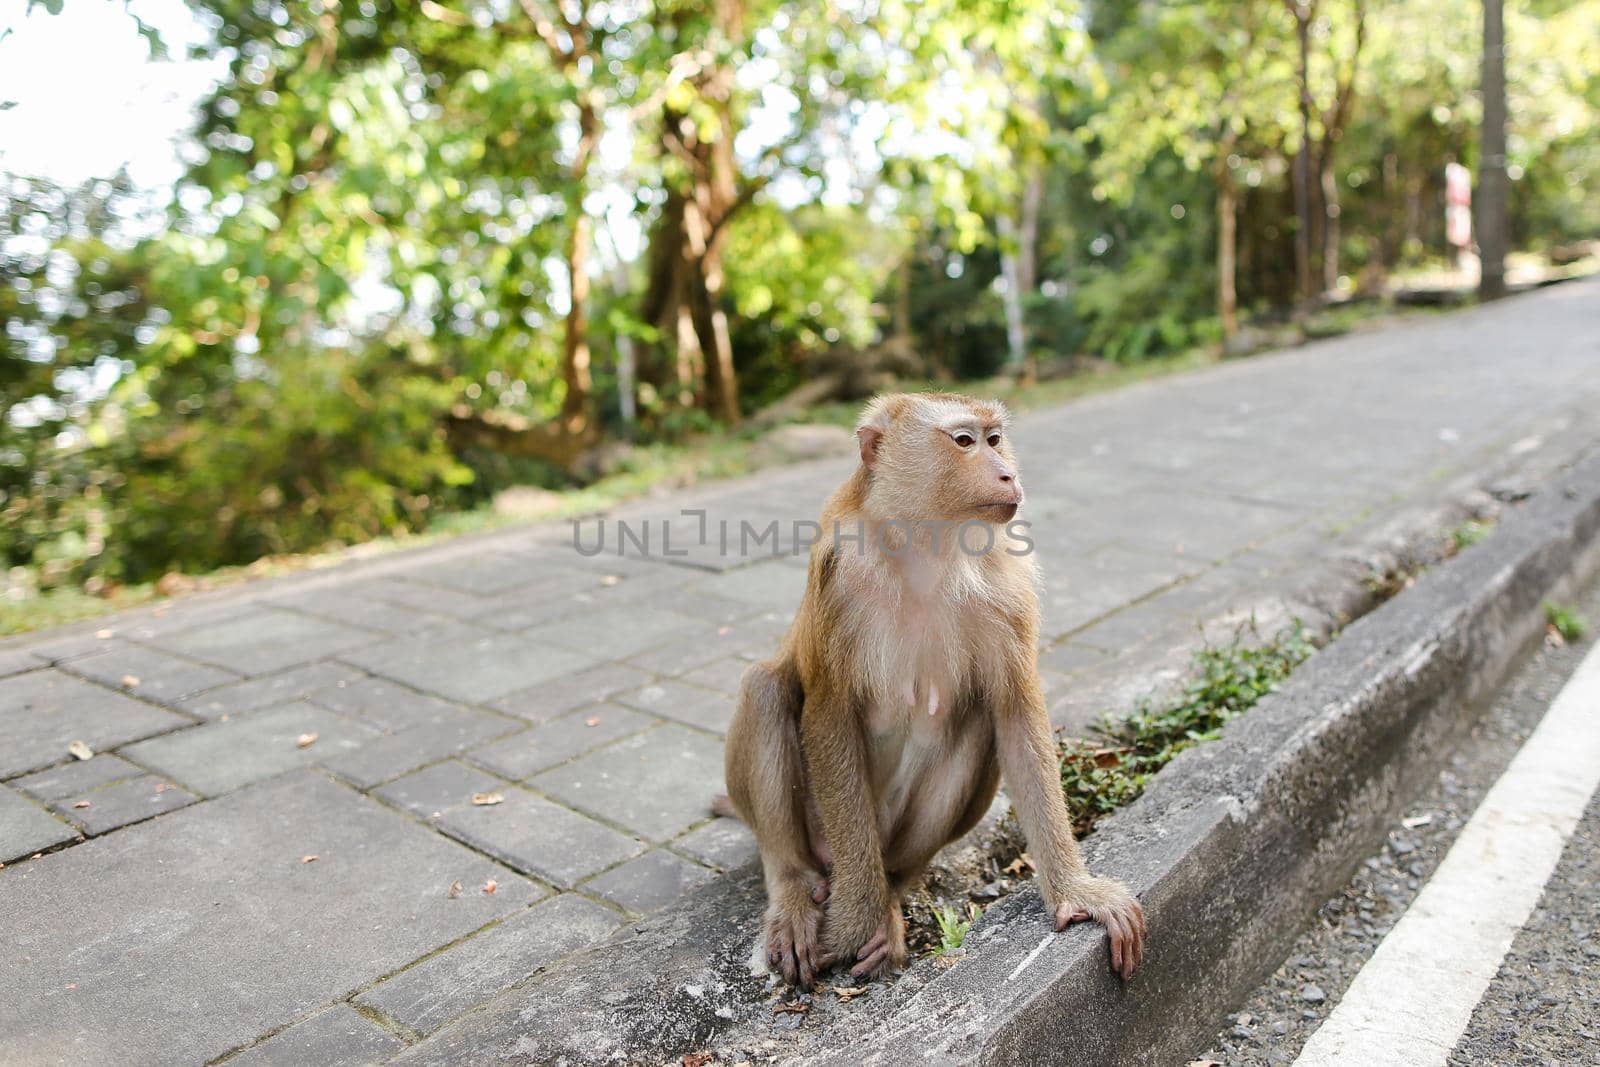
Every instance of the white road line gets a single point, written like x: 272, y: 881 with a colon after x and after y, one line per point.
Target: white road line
x: 1413, y: 999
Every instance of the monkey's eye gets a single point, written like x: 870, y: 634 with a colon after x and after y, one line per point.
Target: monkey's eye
x: 963, y: 438
x: 994, y: 440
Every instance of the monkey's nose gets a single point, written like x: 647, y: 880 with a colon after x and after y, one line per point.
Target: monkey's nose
x: 1007, y: 477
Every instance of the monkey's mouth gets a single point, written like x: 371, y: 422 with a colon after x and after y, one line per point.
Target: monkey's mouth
x: 1001, y: 510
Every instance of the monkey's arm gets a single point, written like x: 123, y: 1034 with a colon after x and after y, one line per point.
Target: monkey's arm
x: 1033, y: 780
x: 859, y: 927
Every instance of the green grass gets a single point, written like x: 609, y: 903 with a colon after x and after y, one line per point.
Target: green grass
x: 1227, y: 681
x: 1468, y: 534
x: 954, y: 926
x: 1566, y: 622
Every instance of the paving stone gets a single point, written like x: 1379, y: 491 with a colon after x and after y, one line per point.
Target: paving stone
x: 1071, y: 656
x: 687, y: 653
x: 685, y: 703
x: 42, y: 712
x: 190, y: 935
x: 351, y: 603
x: 475, y: 670
x: 338, y: 1037
x: 447, y: 733
x: 379, y: 702
x: 538, y: 837
x: 620, y: 631
x: 162, y: 677
x: 267, y: 640
x: 122, y: 804
x: 430, y: 792
x: 220, y: 757
x: 765, y: 584
x: 17, y: 660
x: 491, y: 574
x: 555, y: 742
x: 530, y: 834
x: 658, y: 783
x: 652, y: 881
x: 723, y: 843
x: 724, y: 675
x: 269, y: 689
x: 61, y: 649
x: 431, y: 599
x: 26, y: 828
x: 76, y: 777
x: 443, y: 986
x: 709, y: 607
x: 562, y: 695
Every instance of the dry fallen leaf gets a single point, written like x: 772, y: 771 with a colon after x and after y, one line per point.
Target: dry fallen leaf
x: 79, y: 750
x: 130, y: 681
x: 1204, y: 1063
x: 1022, y: 863
x: 696, y: 1059
x: 846, y: 992
x: 593, y: 720
x: 310, y: 859
x: 454, y: 890
x: 162, y: 787
x: 1415, y: 821
x: 83, y: 804
x: 104, y: 635
x: 72, y: 985
x: 306, y: 740
x: 484, y: 800
x: 609, y: 580
x: 724, y: 631
x: 490, y: 886
x: 793, y: 1007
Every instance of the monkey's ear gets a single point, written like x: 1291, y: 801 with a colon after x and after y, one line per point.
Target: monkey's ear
x: 869, y: 438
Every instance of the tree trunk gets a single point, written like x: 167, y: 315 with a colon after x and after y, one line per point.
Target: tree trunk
x: 1492, y: 228
x: 575, y: 347
x: 627, y: 355
x: 1302, y: 160
x: 1227, y: 250
x: 1019, y: 238
x: 1330, y: 223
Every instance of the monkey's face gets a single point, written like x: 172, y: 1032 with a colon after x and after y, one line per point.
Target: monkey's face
x: 939, y: 457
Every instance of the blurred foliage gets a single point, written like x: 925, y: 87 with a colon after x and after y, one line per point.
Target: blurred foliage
x: 367, y: 267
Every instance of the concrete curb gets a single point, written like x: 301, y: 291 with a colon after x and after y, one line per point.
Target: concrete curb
x: 1231, y: 849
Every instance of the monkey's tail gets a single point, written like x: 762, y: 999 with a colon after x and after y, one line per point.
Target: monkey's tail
x: 722, y: 807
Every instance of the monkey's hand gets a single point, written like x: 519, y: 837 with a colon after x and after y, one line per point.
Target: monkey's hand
x: 884, y: 948
x: 794, y: 947
x: 1112, y: 906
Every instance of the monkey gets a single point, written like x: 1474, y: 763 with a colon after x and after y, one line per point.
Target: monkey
x: 906, y: 687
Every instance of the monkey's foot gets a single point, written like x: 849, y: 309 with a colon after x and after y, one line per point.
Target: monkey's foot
x: 794, y: 945
x: 1123, y: 919
x: 885, y: 950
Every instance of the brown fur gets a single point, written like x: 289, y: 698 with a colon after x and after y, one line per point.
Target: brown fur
x: 834, y: 759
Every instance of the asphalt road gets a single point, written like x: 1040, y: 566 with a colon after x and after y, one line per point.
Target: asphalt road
x: 1543, y: 1004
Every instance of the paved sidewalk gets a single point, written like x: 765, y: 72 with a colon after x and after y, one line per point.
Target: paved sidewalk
x: 344, y: 808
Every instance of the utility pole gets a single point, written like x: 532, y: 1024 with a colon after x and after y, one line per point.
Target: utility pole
x: 1493, y: 235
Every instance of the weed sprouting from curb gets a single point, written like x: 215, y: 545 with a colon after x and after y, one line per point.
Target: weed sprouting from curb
x: 1566, y: 622
x: 1467, y: 534
x: 954, y: 926
x: 1099, y: 778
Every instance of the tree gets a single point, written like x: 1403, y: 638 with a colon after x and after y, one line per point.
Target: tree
x: 1492, y: 223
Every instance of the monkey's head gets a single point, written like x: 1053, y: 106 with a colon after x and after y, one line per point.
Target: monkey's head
x: 938, y: 457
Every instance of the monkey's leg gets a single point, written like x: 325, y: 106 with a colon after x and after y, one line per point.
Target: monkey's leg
x: 766, y: 782
x: 864, y: 923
